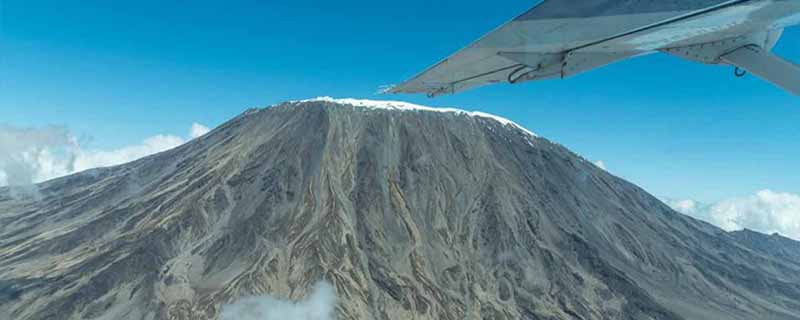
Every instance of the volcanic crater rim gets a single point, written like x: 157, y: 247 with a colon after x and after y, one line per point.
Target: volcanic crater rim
x: 407, y: 106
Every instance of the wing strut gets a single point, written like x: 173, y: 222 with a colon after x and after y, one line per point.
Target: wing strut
x: 767, y: 66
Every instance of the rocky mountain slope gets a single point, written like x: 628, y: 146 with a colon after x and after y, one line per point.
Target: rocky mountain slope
x: 775, y: 245
x: 407, y: 212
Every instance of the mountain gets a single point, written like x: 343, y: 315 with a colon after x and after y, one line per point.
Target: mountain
x: 406, y: 212
x: 775, y: 245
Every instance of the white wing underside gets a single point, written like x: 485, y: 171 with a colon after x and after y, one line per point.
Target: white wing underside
x: 560, y: 38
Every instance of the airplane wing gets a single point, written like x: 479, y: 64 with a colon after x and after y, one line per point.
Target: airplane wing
x: 536, y: 44
x: 767, y: 66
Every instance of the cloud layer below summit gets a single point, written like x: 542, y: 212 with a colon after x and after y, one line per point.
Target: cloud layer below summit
x: 33, y: 155
x: 764, y: 211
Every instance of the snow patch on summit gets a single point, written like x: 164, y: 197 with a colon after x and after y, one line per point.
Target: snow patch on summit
x: 405, y: 106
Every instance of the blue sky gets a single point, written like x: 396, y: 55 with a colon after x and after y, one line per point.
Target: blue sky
x: 119, y: 72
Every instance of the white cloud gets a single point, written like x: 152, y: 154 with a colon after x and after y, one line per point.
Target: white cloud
x: 765, y: 211
x: 600, y: 164
x: 27, y: 154
x: 197, y: 130
x: 319, y: 305
x: 688, y: 207
x: 96, y: 158
x: 33, y: 155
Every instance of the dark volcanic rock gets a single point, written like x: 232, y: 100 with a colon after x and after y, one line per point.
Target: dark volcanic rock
x: 409, y: 214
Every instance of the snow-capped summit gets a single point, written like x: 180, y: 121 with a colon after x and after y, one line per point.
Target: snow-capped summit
x: 406, y: 106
